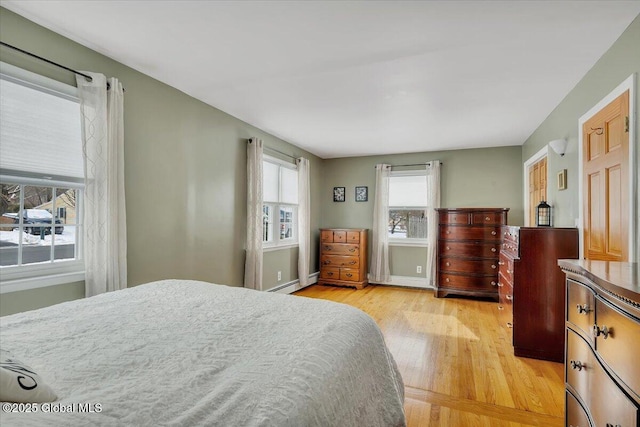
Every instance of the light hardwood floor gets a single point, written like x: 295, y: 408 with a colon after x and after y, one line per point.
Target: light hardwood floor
x: 456, y: 360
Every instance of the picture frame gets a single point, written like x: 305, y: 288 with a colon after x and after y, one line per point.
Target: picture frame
x: 339, y: 194
x: 562, y: 179
x: 362, y: 194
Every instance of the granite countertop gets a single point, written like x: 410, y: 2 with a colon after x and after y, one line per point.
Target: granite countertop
x: 618, y: 277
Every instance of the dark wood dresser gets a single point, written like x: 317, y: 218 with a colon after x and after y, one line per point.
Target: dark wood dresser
x: 531, y: 288
x: 602, y: 364
x: 343, y: 257
x: 468, y: 249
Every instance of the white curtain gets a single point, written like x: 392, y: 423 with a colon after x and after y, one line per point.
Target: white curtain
x: 253, y: 261
x: 433, y: 201
x: 103, y: 210
x: 304, y: 221
x: 380, y: 239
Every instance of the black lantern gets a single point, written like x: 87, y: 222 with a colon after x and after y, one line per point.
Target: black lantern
x: 543, y: 215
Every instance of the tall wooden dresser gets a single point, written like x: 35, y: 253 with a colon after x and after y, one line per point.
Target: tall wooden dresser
x: 531, y: 288
x: 343, y: 257
x: 602, y: 371
x: 468, y: 249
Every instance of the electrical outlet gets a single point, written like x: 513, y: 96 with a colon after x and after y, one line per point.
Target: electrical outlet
x: 279, y: 275
x: 419, y: 269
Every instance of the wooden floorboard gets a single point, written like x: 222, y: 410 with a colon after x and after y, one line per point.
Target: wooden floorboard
x: 456, y: 359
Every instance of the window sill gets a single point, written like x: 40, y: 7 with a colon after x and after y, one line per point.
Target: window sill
x: 40, y: 282
x: 419, y: 243
x: 278, y: 247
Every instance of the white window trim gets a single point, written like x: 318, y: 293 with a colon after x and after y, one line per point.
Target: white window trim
x: 276, y: 243
x: 41, y: 275
x: 408, y: 241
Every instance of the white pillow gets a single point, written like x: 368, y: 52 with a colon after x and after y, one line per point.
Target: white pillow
x: 19, y: 383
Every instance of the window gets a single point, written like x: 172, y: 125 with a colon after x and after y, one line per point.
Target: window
x: 407, y: 206
x: 280, y: 208
x: 41, y: 181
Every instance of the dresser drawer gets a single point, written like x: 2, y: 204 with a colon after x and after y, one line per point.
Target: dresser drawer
x: 349, y: 274
x: 580, y: 306
x: 467, y: 282
x: 479, y: 266
x: 340, y: 261
x: 607, y: 402
x: 621, y: 347
x: 576, y: 415
x: 454, y: 218
x: 329, y: 273
x: 470, y: 233
x: 470, y: 249
x: 505, y: 305
x: 335, y: 236
x: 326, y: 236
x: 353, y: 237
x: 340, y: 249
x: 506, y: 267
x: 487, y: 218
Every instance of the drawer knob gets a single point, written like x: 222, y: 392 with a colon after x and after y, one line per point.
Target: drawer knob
x: 494, y: 266
x: 349, y: 275
x: 330, y: 273
x: 448, y: 264
x: 500, y: 263
x: 583, y: 309
x: 486, y: 218
x: 493, y: 233
x: 500, y: 284
x: 352, y: 262
x: 327, y: 262
x: 448, y: 231
x: 611, y: 425
x: 509, y: 271
x: 509, y: 297
x: 448, y: 248
x: 493, y: 283
x: 604, y: 331
x: 446, y: 280
x: 509, y: 325
x: 493, y: 249
x: 328, y: 248
x: 576, y: 364
x: 352, y: 249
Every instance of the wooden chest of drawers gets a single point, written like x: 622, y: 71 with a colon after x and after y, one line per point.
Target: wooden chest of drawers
x: 531, y: 288
x: 602, y: 372
x: 468, y: 248
x: 343, y: 257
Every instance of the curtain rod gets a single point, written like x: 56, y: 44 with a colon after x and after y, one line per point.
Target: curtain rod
x: 413, y: 164
x: 280, y: 152
x: 33, y: 55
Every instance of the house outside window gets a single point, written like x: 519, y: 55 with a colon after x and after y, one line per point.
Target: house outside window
x: 41, y: 181
x: 408, y: 207
x: 280, y: 203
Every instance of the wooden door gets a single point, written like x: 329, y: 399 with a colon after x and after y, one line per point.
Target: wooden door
x: 537, y: 188
x: 605, y: 165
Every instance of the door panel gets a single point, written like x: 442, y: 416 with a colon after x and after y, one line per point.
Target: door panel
x: 606, y: 176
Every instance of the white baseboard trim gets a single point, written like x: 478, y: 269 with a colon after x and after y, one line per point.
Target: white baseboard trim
x: 408, y: 281
x: 294, y: 285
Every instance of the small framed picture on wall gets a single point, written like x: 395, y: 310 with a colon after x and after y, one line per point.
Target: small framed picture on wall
x: 338, y: 194
x: 562, y: 179
x: 362, y: 194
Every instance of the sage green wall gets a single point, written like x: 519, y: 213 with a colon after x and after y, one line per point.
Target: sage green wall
x: 31, y: 299
x: 185, y: 168
x: 615, y: 66
x: 486, y: 177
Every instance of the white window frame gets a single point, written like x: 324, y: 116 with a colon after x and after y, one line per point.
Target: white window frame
x: 276, y: 242
x: 38, y: 275
x: 409, y: 241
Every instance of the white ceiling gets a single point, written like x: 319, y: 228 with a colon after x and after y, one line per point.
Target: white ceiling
x: 357, y: 78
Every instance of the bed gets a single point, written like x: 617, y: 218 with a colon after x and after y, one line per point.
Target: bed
x: 188, y: 353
